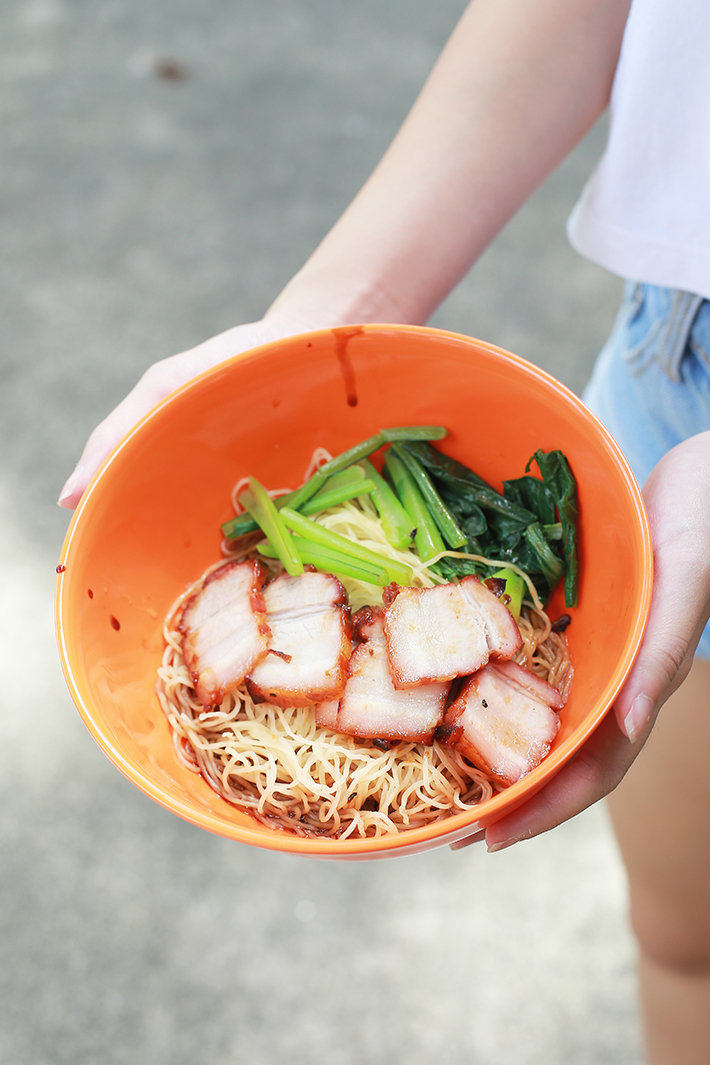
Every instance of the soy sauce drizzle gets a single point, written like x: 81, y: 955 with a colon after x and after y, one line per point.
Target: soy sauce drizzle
x: 343, y: 335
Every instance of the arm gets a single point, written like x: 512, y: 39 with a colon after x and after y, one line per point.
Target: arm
x: 516, y: 87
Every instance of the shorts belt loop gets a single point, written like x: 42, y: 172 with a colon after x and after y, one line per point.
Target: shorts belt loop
x: 674, y: 336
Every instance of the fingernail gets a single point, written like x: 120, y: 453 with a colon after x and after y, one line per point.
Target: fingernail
x: 69, y: 487
x: 637, y: 717
x: 503, y: 844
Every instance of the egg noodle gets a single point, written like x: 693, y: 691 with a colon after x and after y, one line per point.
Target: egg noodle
x: 287, y: 772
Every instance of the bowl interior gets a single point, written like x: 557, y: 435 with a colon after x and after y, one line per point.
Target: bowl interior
x: 149, y: 525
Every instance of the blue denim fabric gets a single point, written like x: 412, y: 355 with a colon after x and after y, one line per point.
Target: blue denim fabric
x: 651, y: 383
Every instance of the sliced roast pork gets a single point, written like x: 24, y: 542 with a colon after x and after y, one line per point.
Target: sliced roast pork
x: 371, y: 706
x: 504, y: 720
x: 310, y: 646
x: 224, y: 629
x: 436, y: 634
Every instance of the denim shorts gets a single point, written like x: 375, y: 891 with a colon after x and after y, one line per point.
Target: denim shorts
x: 651, y: 383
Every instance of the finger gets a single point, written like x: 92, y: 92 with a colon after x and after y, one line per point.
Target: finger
x: 162, y: 378
x: 158, y: 382
x: 476, y: 837
x: 679, y: 612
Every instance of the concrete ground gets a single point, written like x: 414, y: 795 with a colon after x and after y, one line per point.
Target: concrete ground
x: 165, y: 167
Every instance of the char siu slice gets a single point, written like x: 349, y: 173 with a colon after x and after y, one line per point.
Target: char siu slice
x: 504, y: 720
x: 436, y: 634
x: 224, y: 629
x: 310, y: 647
x: 371, y: 706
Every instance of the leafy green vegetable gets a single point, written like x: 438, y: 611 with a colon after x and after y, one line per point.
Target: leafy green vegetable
x: 243, y: 523
x: 348, y: 484
x: 432, y: 499
x: 560, y: 481
x: 514, y: 589
x: 414, y: 432
x: 239, y: 526
x: 532, y: 523
x: 446, y: 523
x: 551, y: 566
x: 361, y: 451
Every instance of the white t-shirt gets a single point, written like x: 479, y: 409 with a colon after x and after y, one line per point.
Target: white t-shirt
x: 645, y: 212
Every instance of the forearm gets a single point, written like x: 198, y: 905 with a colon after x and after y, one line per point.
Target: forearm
x: 518, y: 85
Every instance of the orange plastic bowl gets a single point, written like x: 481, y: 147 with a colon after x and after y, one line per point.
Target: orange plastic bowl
x: 149, y: 524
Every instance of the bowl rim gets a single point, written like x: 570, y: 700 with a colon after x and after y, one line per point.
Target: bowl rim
x: 457, y: 826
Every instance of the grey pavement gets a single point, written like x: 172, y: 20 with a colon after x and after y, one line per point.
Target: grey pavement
x: 164, y: 168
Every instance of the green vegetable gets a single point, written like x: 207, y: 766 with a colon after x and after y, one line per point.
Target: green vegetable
x: 414, y: 432
x: 396, y: 523
x: 358, y: 452
x: 562, y: 486
x: 352, y: 476
x: 496, y: 524
x: 243, y: 523
x: 437, y: 503
x: 323, y: 558
x: 317, y: 534
x: 551, y: 566
x: 452, y: 533
x: 261, y: 507
x: 349, y: 484
x: 334, y: 465
x: 239, y: 526
x: 427, y: 539
x: 514, y: 589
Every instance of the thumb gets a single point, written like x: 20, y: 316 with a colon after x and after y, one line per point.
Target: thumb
x: 677, y: 496
x: 160, y: 379
x: 661, y: 666
x: 156, y: 383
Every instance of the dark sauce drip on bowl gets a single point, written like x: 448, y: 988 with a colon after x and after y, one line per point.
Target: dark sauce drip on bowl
x: 343, y: 335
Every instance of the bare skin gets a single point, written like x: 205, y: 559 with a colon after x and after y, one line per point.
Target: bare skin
x: 660, y: 814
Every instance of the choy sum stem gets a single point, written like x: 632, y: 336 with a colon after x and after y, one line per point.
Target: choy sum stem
x: 318, y: 534
x: 449, y: 528
x: 243, y: 523
x: 330, y: 495
x: 427, y: 539
x: 261, y: 507
x: 396, y: 523
x: 414, y: 432
x: 514, y: 589
x: 329, y: 561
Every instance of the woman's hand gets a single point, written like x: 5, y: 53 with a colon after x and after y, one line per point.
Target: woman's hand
x: 677, y: 496
x: 162, y: 378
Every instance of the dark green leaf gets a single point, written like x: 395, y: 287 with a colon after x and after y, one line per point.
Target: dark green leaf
x: 558, y: 477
